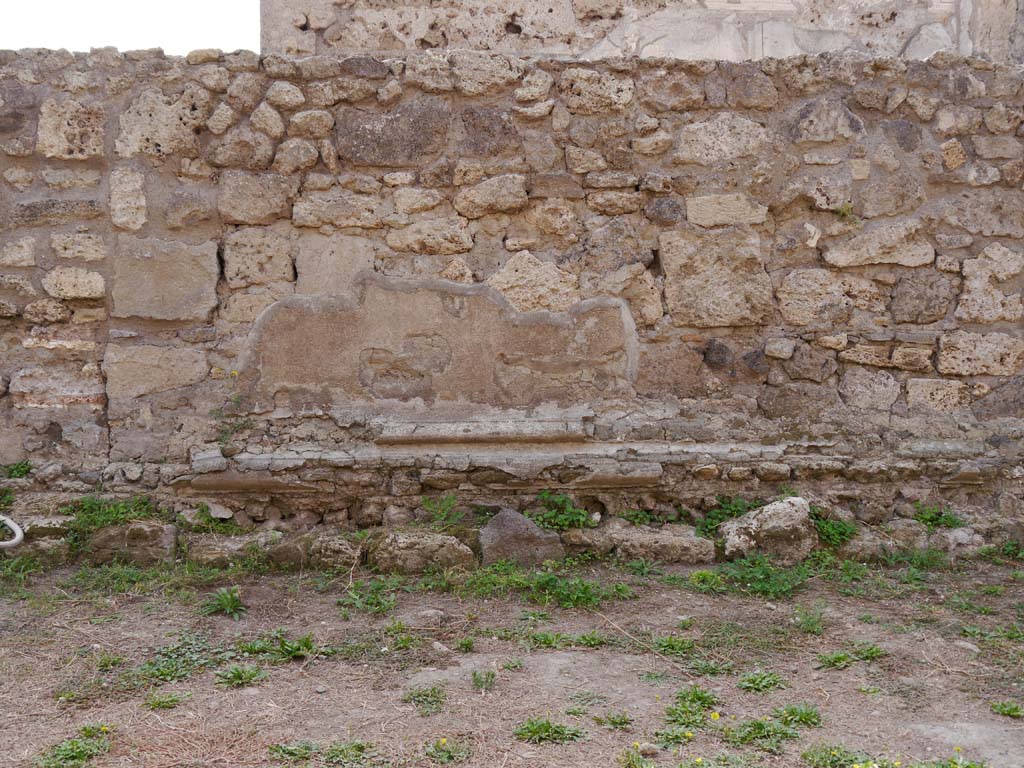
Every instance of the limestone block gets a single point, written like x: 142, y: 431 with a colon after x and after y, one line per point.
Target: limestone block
x: 442, y: 236
x: 295, y: 155
x: 19, y: 253
x: 255, y: 256
x: 937, y: 395
x: 477, y: 73
x: 140, y: 542
x: 143, y: 369
x: 716, y: 278
x: 988, y: 212
x: 46, y: 311
x: 668, y: 544
x: 922, y: 297
x: 412, y: 200
x: 311, y: 124
x: 891, y: 243
x: 867, y: 389
x: 721, y: 210
x: 722, y: 138
x: 338, y: 207
x: 589, y: 92
x: 501, y: 194
x: 81, y: 247
x: 783, y: 530
x: 268, y: 120
x: 408, y: 135
x: 57, y: 386
x: 824, y: 120
x: 164, y: 279
x: 127, y: 198
x: 328, y: 265
x: 663, y: 90
x: 512, y: 536
x: 243, y: 148
x: 982, y: 301
x: 410, y: 553
x: 254, y: 198
x: 530, y: 284
x: 821, y: 297
x: 962, y: 353
x: 74, y: 283
x: 160, y: 125
x: 429, y: 71
x: 285, y: 95
x: 69, y: 130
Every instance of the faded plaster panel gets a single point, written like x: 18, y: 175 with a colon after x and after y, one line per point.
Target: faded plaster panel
x: 435, y: 341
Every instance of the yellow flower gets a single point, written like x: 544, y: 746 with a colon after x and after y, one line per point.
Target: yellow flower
x: 699, y: 760
x: 234, y: 373
x: 689, y: 734
x: 715, y: 715
x: 104, y: 729
x: 442, y: 741
x: 856, y: 765
x: 636, y: 745
x: 957, y: 749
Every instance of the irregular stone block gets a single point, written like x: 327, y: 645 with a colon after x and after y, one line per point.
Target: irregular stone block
x: 256, y: 256
x: 140, y: 542
x: 937, y: 395
x: 783, y: 530
x: 337, y: 207
x: 444, y: 236
x: 57, y: 387
x: 254, y: 198
x: 981, y: 300
x: 589, y: 92
x: 721, y: 210
x: 159, y: 125
x: 870, y: 390
x: 416, y: 552
x: 437, y: 341
x: 724, y: 137
x: 516, y: 538
x: 328, y: 266
x: 127, y: 198
x: 975, y: 354
x: 501, y: 194
x: 819, y: 297
x: 48, y: 213
x: 530, y: 284
x: 164, y: 279
x: 20, y: 253
x: 715, y: 279
x: 922, y: 297
x: 74, y: 283
x: 244, y: 148
x: 668, y: 544
x: 477, y: 73
x: 78, y: 247
x: 143, y: 369
x: 895, y: 243
x: 824, y: 120
x: 219, y: 551
x: 409, y: 135
x: 69, y: 130
x: 988, y: 212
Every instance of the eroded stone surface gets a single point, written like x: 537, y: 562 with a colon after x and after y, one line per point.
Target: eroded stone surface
x: 529, y: 284
x: 164, y: 280
x: 437, y: 344
x: 143, y: 369
x: 784, y: 530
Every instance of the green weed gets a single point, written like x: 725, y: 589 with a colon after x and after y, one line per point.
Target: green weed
x: 428, y: 701
x: 543, y: 731
x: 559, y: 513
x: 240, y: 675
x: 226, y: 601
x: 760, y: 681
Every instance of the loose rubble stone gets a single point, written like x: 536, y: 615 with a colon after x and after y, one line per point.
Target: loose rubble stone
x: 589, y: 92
x: 442, y: 236
x: 783, y: 530
x: 140, y: 542
x: 724, y: 137
x: 516, y: 538
x: 411, y: 553
x: 159, y: 125
x: 897, y: 243
x: 669, y: 544
x: 982, y: 301
x: 408, y: 135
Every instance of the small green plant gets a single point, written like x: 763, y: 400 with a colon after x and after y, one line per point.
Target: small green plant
x: 632, y: 758
x: 445, y: 751
x: 845, y: 213
x: 760, y: 681
x: 443, y: 514
x: 618, y: 721
x: 92, y: 513
x: 835, y: 660
x: 466, y: 645
x: 711, y: 667
x: 727, y: 509
x: 833, y: 756
x: 177, y: 661
x: 240, y: 675
x: 543, y: 731
x: 483, y: 680
x: 868, y: 652
x: 15, y: 574
x: 376, y: 595
x: 204, y: 522
x: 513, y: 665
x: 689, y: 708
x: 559, y: 513
x: 428, y: 701
x: 936, y: 517
x: 637, y: 516
x: 757, y: 575
x: 643, y: 568
x: 707, y: 582
x: 672, y: 645
x: 294, y: 752
x: 226, y: 601
x: 833, y: 533
x: 157, y: 700
x: 92, y: 741
x: 1008, y: 709
x: 589, y: 640
x: 16, y: 471
x: 798, y: 715
x: 810, y: 621
x: 347, y: 754
x: 764, y: 734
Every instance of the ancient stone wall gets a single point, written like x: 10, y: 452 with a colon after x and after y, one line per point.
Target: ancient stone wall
x: 319, y: 289
x: 731, y: 30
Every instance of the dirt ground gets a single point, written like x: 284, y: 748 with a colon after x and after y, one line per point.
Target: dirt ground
x: 952, y: 639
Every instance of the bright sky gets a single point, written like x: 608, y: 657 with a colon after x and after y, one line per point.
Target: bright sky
x: 177, y: 26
